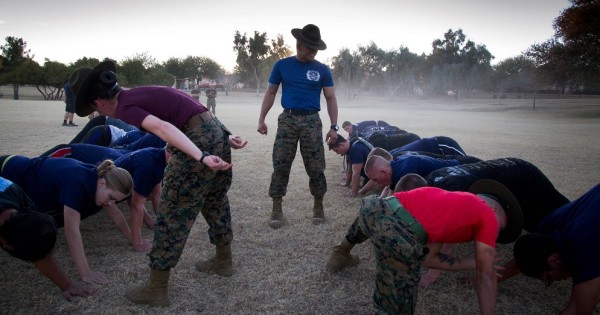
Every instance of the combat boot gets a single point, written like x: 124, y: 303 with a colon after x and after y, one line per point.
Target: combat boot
x: 220, y: 264
x: 277, y: 219
x: 318, y: 212
x: 341, y: 258
x: 155, y: 292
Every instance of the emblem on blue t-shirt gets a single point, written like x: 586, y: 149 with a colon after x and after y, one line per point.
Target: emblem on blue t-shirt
x: 313, y: 75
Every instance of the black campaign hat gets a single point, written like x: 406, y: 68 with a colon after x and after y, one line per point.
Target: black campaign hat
x: 514, y: 216
x: 310, y: 36
x: 81, y: 80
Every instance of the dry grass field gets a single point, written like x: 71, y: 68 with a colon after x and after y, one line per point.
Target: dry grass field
x: 282, y: 271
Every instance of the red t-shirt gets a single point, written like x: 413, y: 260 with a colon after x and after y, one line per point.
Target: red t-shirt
x: 451, y: 217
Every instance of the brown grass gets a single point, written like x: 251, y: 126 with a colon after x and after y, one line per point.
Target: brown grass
x: 282, y: 272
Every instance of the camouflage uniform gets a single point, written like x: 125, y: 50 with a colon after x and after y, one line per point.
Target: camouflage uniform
x: 307, y: 129
x: 191, y: 187
x: 211, y: 102
x: 399, y: 255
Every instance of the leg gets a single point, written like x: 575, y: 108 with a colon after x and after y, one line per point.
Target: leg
x: 284, y: 152
x: 313, y: 156
x: 398, y: 255
x: 96, y: 121
x: 341, y: 258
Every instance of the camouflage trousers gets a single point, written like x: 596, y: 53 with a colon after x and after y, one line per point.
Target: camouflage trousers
x: 190, y: 187
x: 211, y: 104
x: 308, y: 130
x: 399, y: 255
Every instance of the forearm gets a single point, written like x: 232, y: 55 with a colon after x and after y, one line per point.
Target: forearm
x: 446, y: 262
x: 118, y: 219
x: 486, y: 291
x: 49, y: 267
x: 267, y: 102
x: 332, y: 108
x: 75, y: 244
x: 367, y: 187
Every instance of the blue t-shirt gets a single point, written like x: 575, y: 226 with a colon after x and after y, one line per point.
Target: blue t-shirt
x: 418, y: 164
x: 146, y: 166
x: 94, y: 154
x: 357, y: 154
x: 301, y: 82
x: 53, y: 183
x: 575, y: 228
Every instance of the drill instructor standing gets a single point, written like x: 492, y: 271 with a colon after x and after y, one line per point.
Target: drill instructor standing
x: 302, y: 78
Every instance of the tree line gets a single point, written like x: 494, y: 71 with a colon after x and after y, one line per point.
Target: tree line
x: 567, y: 63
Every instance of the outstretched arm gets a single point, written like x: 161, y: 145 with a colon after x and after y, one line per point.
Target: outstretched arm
x: 170, y: 134
x: 50, y: 268
x: 584, y: 297
x: 73, y: 235
x: 486, y: 277
x: 437, y: 259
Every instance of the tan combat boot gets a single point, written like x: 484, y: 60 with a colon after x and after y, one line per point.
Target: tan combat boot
x: 341, y: 258
x: 155, y: 292
x: 220, y: 264
x: 318, y: 212
x: 277, y: 219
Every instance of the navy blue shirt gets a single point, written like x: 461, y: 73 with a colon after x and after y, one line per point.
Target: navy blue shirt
x: 575, y: 227
x: 357, y: 154
x: 418, y: 164
x: 146, y: 166
x: 301, y: 82
x: 53, y: 183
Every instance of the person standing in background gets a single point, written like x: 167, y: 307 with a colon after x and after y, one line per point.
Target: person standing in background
x: 70, y: 106
x: 302, y: 79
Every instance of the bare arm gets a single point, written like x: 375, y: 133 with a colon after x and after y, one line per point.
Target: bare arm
x: 137, y: 211
x: 267, y: 103
x: 50, y: 268
x: 173, y: 136
x: 486, y: 278
x: 437, y: 259
x: 356, y: 168
x: 367, y: 187
x: 332, y: 110
x: 73, y: 235
x: 584, y: 297
x: 509, y: 270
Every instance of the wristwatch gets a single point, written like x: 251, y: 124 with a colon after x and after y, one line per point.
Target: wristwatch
x: 335, y: 127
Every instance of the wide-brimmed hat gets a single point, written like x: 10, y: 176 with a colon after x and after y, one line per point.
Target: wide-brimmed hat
x: 514, y: 216
x: 81, y: 81
x: 310, y: 36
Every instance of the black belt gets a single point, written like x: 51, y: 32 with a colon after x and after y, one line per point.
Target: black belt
x: 198, y: 119
x: 300, y: 112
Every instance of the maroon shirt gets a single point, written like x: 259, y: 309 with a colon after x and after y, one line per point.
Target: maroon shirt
x: 166, y: 103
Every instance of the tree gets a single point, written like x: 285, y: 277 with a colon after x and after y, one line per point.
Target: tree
x: 458, y: 64
x: 14, y: 54
x: 579, y: 29
x: 515, y: 75
x: 255, y: 56
x: 52, y: 79
x: 347, y: 71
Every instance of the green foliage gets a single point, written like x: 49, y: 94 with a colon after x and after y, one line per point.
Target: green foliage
x: 257, y: 55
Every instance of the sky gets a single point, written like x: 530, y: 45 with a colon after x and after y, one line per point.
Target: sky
x: 67, y: 30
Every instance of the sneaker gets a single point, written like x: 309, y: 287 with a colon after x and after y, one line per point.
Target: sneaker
x: 64, y: 124
x: 71, y: 124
